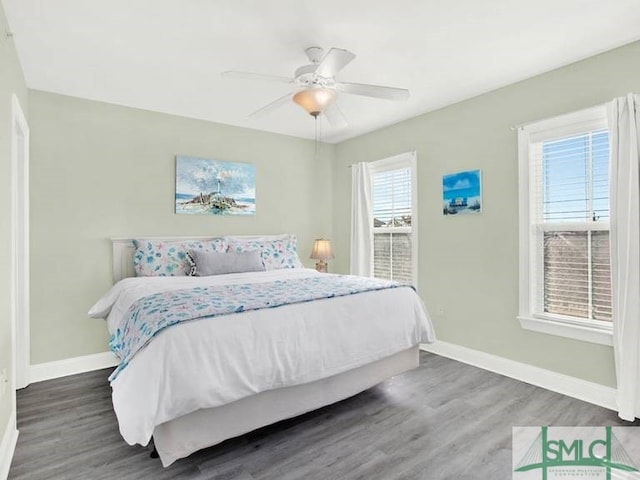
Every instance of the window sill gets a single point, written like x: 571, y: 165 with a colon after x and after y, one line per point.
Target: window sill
x: 592, y: 334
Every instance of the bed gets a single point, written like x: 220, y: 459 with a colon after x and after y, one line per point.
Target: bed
x: 198, y: 382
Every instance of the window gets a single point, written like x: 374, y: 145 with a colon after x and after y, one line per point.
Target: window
x: 565, y: 279
x: 394, y: 214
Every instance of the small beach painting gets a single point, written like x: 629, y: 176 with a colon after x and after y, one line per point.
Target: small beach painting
x: 214, y: 187
x: 462, y: 193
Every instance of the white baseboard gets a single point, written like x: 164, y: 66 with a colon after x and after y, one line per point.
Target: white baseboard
x: 556, y: 382
x: 70, y: 366
x: 8, y: 446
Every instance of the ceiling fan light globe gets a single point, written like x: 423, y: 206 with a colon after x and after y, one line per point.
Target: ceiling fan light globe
x: 314, y: 100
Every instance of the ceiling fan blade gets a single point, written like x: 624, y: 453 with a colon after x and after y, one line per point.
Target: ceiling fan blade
x: 335, y: 117
x: 271, y: 106
x: 256, y: 76
x: 334, y: 61
x: 376, y: 91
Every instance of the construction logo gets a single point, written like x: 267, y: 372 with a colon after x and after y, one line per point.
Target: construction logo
x: 549, y: 453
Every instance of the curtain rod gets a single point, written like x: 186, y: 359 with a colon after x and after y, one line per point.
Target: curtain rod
x: 412, y: 153
x: 519, y: 126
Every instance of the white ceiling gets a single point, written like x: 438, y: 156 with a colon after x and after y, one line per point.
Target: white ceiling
x: 167, y: 55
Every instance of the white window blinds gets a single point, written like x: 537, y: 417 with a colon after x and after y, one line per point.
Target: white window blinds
x: 392, y: 198
x: 573, y: 174
x: 570, y: 224
x: 392, y: 193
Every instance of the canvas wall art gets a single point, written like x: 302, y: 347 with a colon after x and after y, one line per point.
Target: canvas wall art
x: 214, y: 187
x: 462, y: 193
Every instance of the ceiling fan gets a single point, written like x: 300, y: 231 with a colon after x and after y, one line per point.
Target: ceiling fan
x: 315, y: 86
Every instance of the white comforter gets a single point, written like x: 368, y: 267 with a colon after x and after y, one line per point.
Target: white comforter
x: 210, y: 362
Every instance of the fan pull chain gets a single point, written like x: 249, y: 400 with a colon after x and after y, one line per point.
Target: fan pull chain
x: 315, y: 135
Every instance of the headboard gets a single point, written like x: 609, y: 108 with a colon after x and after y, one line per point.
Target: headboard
x: 123, y: 251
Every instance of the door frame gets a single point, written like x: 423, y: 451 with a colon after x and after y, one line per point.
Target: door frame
x: 20, y: 315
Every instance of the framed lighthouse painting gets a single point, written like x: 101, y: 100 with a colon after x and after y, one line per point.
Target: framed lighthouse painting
x: 214, y: 187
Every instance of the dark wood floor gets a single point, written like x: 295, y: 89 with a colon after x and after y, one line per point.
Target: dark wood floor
x: 444, y: 420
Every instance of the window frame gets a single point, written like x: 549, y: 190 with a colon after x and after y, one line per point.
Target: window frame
x: 403, y: 160
x: 594, y: 331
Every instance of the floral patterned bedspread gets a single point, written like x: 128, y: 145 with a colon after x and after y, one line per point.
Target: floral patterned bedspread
x: 150, y: 315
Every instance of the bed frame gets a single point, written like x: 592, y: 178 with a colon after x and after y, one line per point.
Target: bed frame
x: 185, y: 435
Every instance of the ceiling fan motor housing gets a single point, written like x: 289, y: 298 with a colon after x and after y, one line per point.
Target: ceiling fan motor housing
x: 305, y: 74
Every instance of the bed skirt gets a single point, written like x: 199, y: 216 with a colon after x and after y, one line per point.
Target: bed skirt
x: 182, y: 436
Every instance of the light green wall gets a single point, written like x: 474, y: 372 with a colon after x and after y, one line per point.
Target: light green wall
x: 100, y: 170
x: 468, y: 266
x: 11, y: 81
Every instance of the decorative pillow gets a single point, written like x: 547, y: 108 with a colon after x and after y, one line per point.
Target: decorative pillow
x: 158, y: 258
x: 280, y: 236
x: 207, y: 263
x: 277, y: 252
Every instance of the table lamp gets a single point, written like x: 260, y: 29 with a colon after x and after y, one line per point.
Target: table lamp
x: 322, y: 251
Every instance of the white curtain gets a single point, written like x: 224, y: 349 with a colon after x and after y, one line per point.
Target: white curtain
x: 624, y: 124
x: 361, y: 221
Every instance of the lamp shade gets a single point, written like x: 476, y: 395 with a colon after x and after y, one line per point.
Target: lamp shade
x: 322, y: 250
x: 314, y: 100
